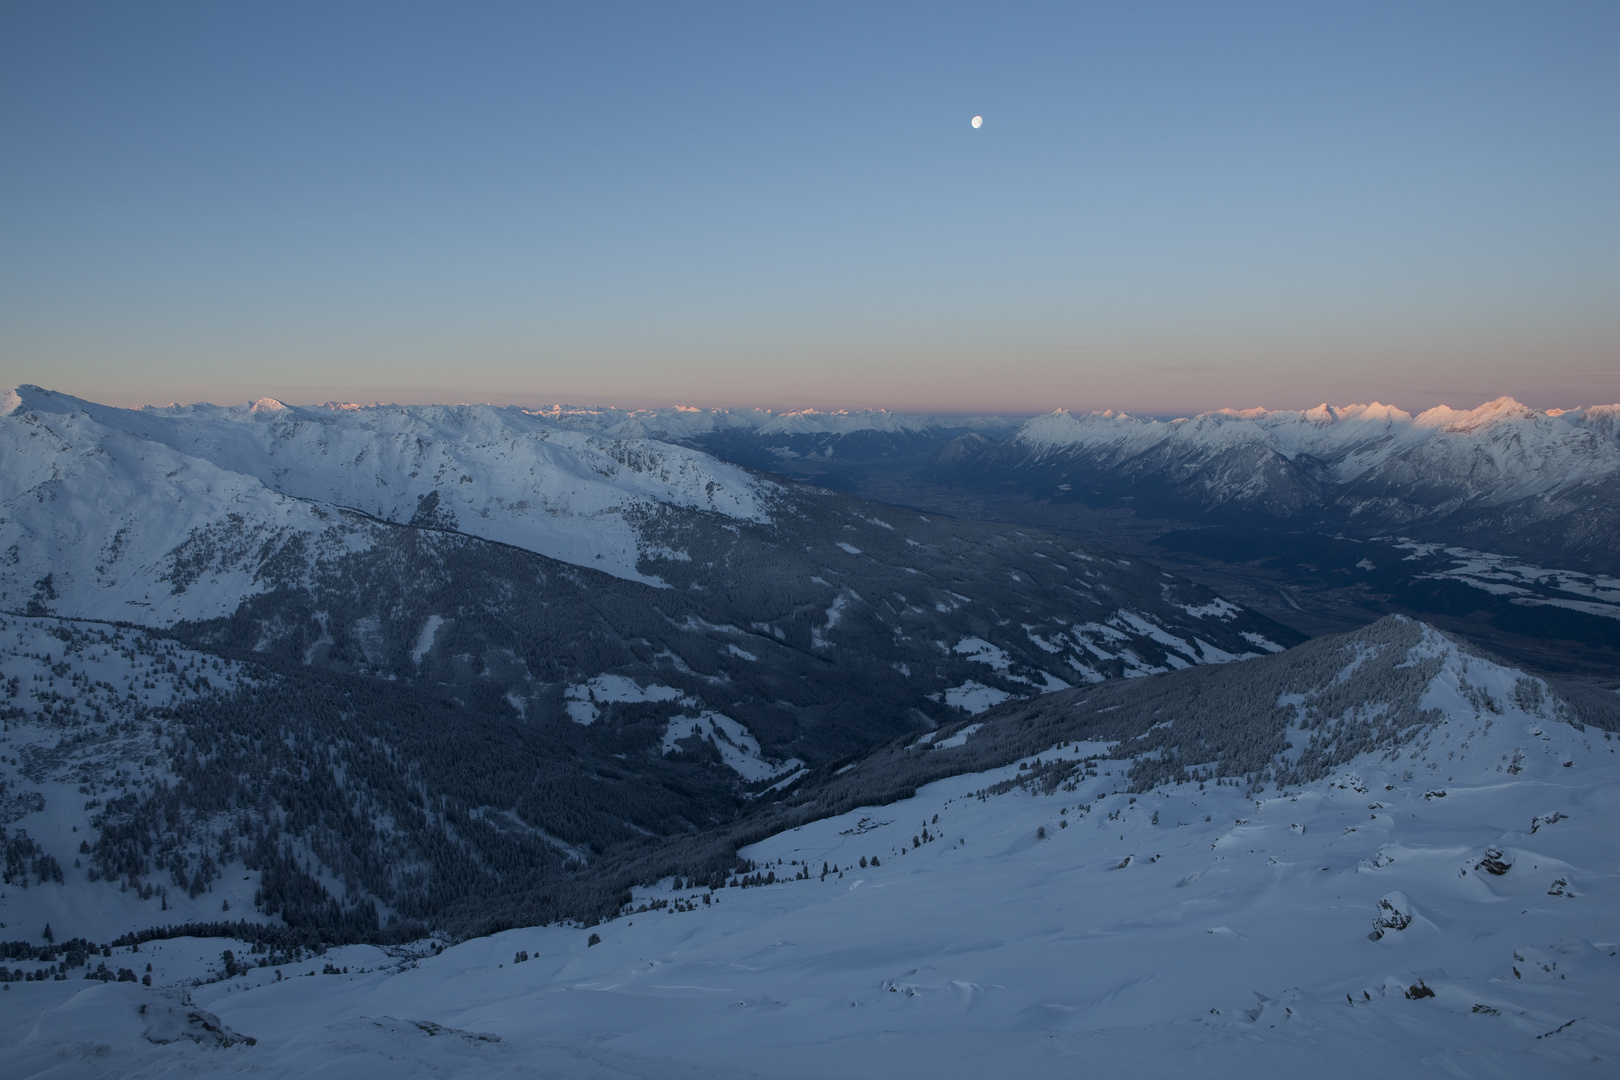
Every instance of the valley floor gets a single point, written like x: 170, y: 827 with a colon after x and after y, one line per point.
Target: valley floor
x: 1080, y: 932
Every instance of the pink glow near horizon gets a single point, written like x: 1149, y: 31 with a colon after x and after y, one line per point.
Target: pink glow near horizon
x: 625, y: 403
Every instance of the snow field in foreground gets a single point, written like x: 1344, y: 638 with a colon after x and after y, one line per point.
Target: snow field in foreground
x: 1231, y: 937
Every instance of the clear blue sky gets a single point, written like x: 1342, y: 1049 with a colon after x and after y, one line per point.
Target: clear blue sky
x: 1169, y: 207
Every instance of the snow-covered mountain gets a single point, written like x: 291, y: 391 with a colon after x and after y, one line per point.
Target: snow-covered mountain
x: 1487, y: 476
x: 97, y: 501
x: 1396, y: 859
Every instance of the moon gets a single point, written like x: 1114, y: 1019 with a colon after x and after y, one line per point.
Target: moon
x: 977, y: 121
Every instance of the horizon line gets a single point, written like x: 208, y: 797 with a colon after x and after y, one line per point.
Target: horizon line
x: 842, y: 410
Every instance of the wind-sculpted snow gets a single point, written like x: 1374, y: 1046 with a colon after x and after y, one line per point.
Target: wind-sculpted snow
x: 1437, y: 904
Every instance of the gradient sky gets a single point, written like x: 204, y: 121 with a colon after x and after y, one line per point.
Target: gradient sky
x: 1170, y: 207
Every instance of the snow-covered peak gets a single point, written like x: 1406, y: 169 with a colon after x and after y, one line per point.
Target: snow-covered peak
x: 92, y: 518
x: 30, y: 398
x: 1325, y: 414
x: 1438, y: 417
x: 489, y: 463
x: 1062, y: 428
x: 1501, y: 411
x: 1602, y: 419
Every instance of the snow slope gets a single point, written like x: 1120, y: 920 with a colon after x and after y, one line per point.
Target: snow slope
x: 1003, y: 931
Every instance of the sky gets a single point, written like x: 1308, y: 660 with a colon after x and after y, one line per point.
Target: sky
x: 1170, y: 206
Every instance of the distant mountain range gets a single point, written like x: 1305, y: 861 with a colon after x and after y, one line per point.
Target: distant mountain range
x: 1503, y: 476
x: 1309, y: 517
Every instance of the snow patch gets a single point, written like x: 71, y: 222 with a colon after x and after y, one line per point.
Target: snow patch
x: 424, y: 640
x: 737, y: 746
x: 1260, y: 641
x: 974, y: 697
x: 581, y: 699
x: 959, y: 738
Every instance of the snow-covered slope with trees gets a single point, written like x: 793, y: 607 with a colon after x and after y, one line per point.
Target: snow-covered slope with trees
x: 83, y: 707
x: 713, y: 637
x: 1421, y: 881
